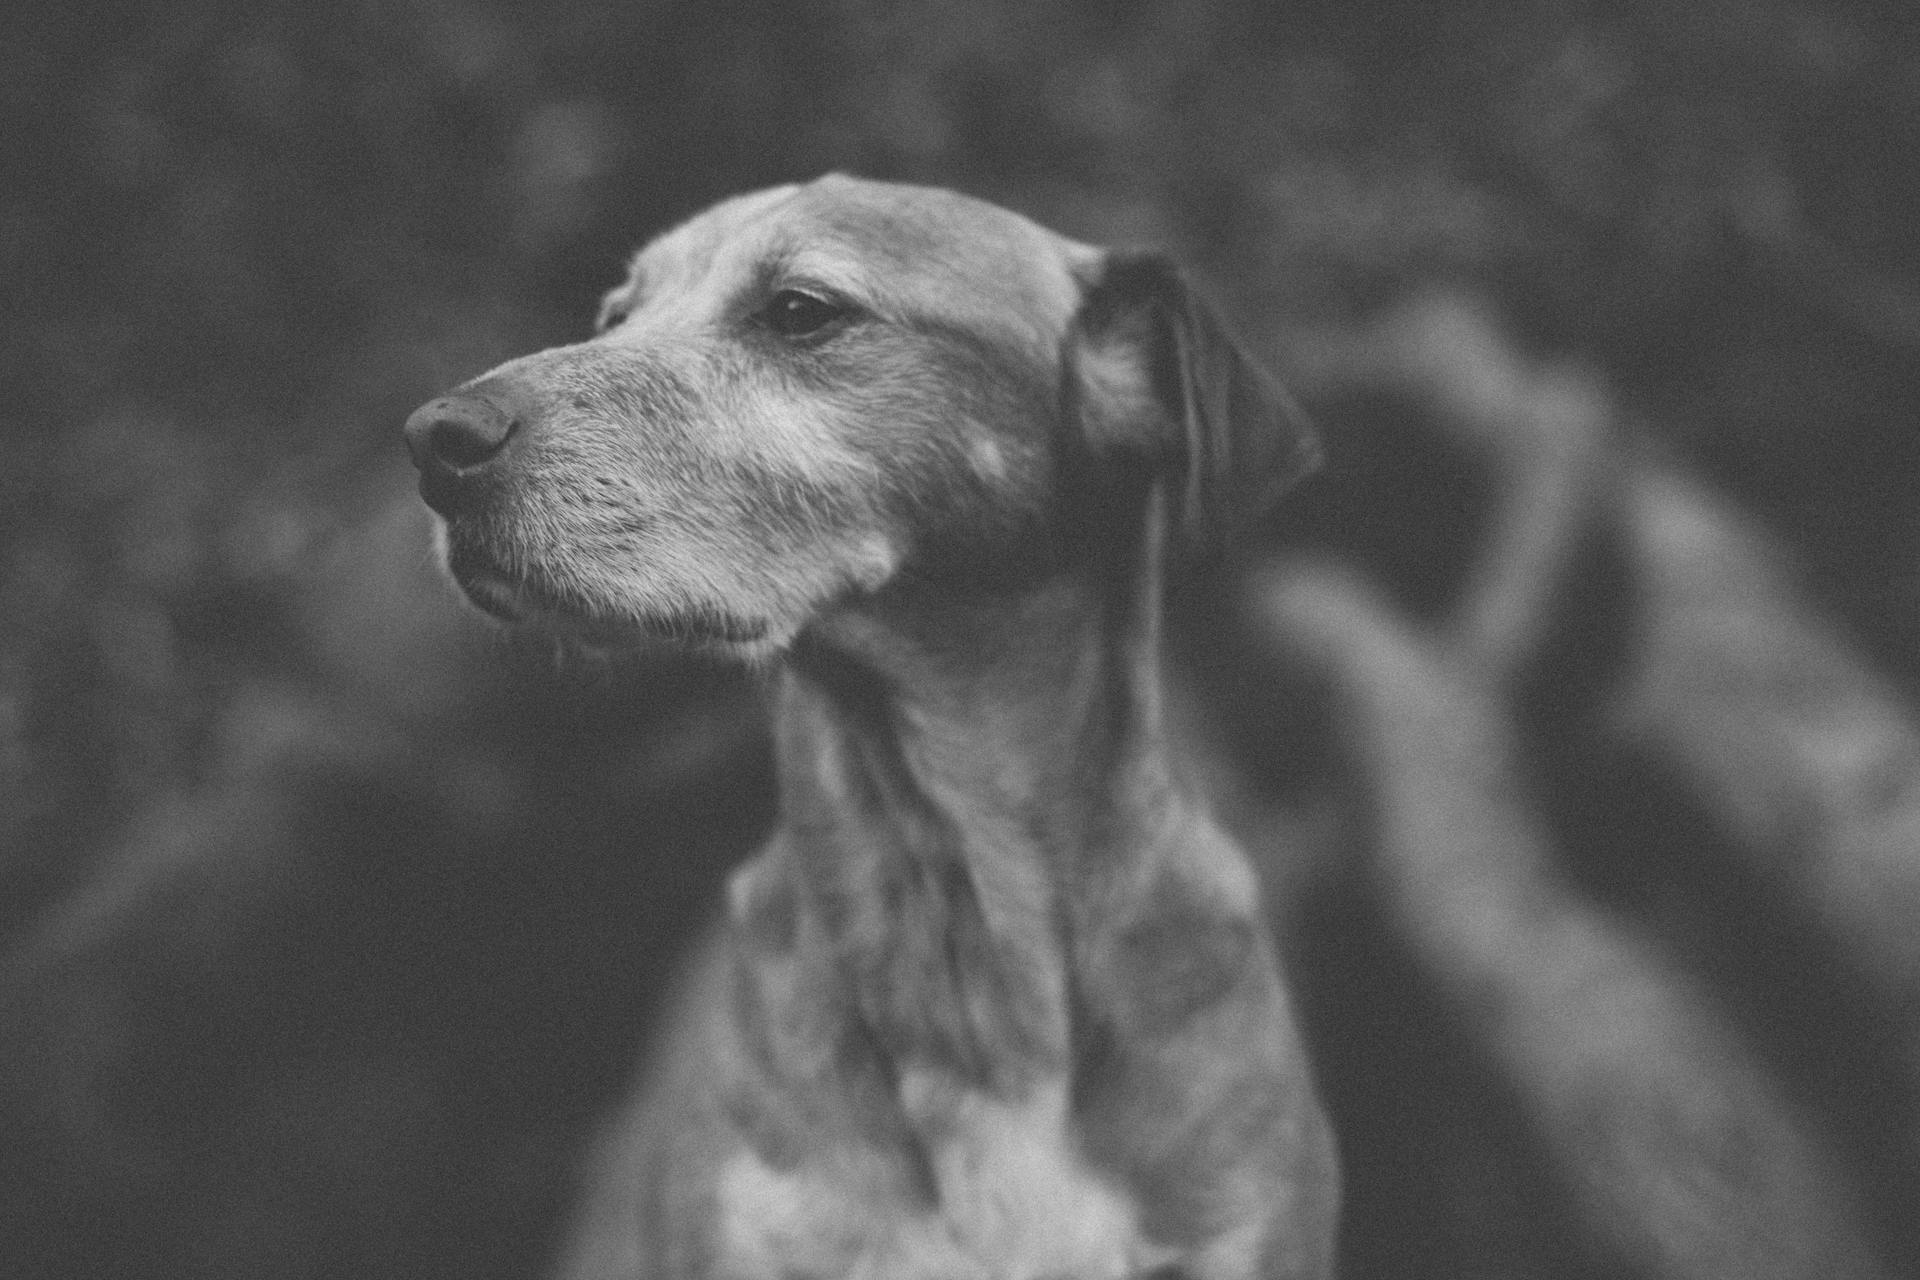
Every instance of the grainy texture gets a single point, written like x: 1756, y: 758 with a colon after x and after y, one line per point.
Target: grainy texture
x: 996, y: 998
x: 331, y: 924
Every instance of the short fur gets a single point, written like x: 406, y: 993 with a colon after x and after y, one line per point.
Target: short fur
x: 996, y: 999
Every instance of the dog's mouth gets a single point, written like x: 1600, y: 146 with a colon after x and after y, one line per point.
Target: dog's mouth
x: 496, y: 593
x: 527, y: 599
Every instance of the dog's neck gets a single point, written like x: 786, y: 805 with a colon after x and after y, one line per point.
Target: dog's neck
x: 1006, y: 701
x: 964, y: 788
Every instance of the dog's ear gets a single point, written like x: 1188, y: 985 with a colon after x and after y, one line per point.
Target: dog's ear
x: 1156, y: 379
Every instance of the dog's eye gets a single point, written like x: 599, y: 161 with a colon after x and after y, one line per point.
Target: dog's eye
x: 792, y: 313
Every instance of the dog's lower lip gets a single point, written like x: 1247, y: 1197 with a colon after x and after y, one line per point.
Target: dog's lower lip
x: 494, y: 592
x: 704, y: 627
x: 516, y: 600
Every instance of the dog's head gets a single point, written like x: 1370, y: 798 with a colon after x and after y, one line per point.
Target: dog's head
x: 806, y: 393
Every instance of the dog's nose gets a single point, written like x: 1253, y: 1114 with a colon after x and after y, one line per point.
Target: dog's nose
x: 454, y: 440
x: 457, y: 433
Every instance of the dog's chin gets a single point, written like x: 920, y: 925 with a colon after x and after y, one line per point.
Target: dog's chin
x: 518, y: 603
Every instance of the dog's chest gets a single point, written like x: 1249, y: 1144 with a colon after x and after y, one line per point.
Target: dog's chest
x: 1012, y: 1200
x: 904, y: 965
x: 910, y: 1117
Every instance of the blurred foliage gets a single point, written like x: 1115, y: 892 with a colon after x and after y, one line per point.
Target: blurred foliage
x: 248, y: 747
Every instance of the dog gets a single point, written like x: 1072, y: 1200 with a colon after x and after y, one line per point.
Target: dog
x: 996, y: 1000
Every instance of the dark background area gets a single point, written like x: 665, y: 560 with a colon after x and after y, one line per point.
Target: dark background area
x: 330, y: 919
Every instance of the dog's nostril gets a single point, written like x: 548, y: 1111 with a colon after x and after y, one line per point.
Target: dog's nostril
x: 457, y: 433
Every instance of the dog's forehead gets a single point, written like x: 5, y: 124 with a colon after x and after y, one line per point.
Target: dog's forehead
x: 907, y: 249
x: 692, y: 248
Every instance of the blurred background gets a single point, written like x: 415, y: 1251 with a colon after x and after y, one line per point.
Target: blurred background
x: 1570, y: 711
